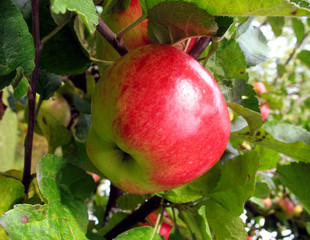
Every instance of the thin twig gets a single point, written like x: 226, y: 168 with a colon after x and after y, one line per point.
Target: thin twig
x: 200, y: 46
x: 137, y: 216
x: 115, y: 193
x: 111, y: 37
x: 32, y: 96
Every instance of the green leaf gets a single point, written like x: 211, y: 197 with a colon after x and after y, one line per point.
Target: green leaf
x: 16, y: 43
x: 240, y: 93
x: 84, y: 8
x: 261, y: 190
x: 21, y: 88
x: 253, y: 43
x: 48, y: 83
x: 299, y: 29
x: 112, y: 6
x: 237, y: 182
x: 206, y: 232
x: 62, y: 217
x: 73, y: 60
x: 175, y: 234
x: 269, y: 158
x: 12, y: 191
x: 304, y: 57
x: 254, y: 119
x: 222, y: 67
x: 287, y: 133
x: 170, y: 22
x: 223, y: 224
x: 295, y: 148
x: 130, y: 201
x: 245, y: 7
x: 296, y: 177
x: 277, y: 24
x: 138, y: 234
x: 80, y: 183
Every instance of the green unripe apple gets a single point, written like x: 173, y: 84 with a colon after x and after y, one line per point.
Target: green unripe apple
x: 159, y: 120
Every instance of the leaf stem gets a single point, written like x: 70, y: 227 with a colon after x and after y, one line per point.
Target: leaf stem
x: 54, y: 32
x: 32, y: 96
x: 200, y: 46
x: 131, y: 26
x: 111, y: 37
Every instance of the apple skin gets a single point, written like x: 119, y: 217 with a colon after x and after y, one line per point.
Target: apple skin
x: 117, y: 21
x: 264, y: 111
x: 260, y: 88
x: 159, y: 120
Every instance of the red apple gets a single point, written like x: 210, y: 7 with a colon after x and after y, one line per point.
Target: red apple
x: 117, y: 21
x: 164, y: 228
x: 260, y: 88
x: 264, y: 111
x: 249, y: 238
x: 286, y: 208
x: 159, y: 120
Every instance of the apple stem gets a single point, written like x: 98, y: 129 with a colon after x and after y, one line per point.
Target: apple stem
x: 111, y: 37
x: 129, y: 27
x: 137, y: 216
x: 32, y: 96
x: 200, y: 46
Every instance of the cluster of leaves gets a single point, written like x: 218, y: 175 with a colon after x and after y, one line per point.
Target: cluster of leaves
x: 261, y: 160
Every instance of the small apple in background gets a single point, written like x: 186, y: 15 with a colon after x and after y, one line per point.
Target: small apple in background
x: 159, y: 120
x: 264, y: 111
x: 117, y: 21
x: 298, y: 210
x: 164, y: 228
x: 285, y: 208
x: 260, y: 88
x: 267, y: 202
x: 58, y: 107
x: 249, y: 238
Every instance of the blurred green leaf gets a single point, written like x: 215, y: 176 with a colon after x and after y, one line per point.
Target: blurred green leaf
x: 186, y: 21
x: 304, y: 56
x: 8, y: 139
x: 277, y: 24
x: 253, y: 43
x: 12, y: 191
x: 299, y: 29
x: 293, y: 146
x: 16, y: 43
x: 246, y: 7
x: 84, y: 8
x: 261, y: 190
x: 296, y: 177
x: 175, y: 234
x: 21, y: 89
